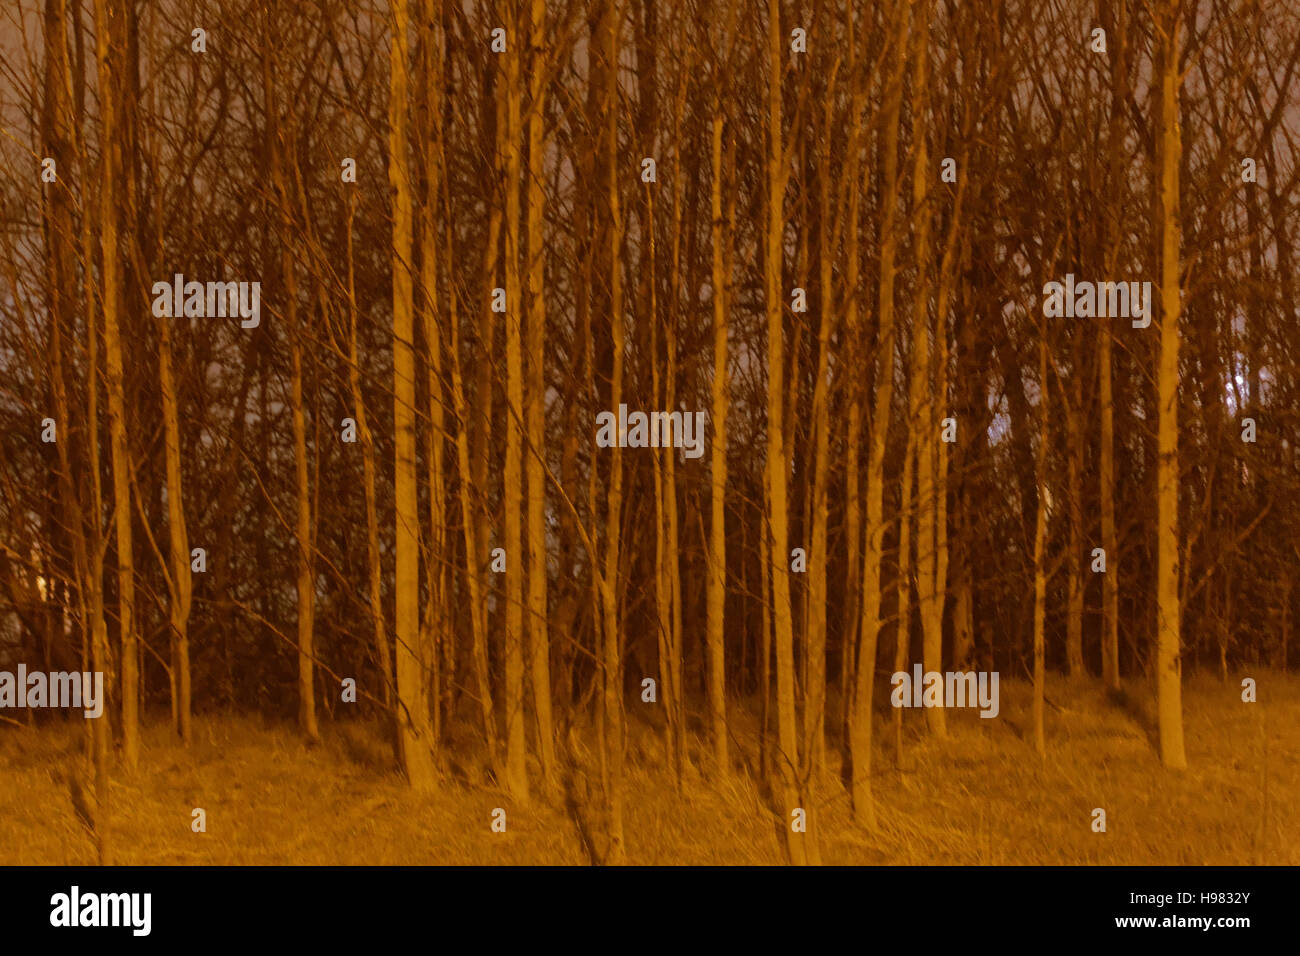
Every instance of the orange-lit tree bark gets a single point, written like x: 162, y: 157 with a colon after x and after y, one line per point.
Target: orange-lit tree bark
x: 539, y: 642
x: 1040, y: 538
x: 109, y: 33
x: 60, y: 140
x: 717, y: 593
x: 1168, y: 661
x: 852, y: 357
x: 861, y: 717
x: 611, y: 654
x: 672, y: 533
x: 512, y: 695
x: 906, y: 521
x: 1074, y: 501
x: 437, y: 637
x: 64, y: 140
x: 98, y: 638
x: 1115, y: 144
x: 470, y: 525
x: 478, y: 417
x: 180, y: 583
x: 929, y: 593
x: 815, y: 692
x: 416, y: 732
x: 374, y: 576
x: 787, y: 756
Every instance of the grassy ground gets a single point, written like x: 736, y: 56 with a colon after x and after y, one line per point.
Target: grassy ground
x: 981, y: 797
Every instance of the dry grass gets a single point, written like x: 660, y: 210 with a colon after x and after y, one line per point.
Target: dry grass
x: 980, y: 797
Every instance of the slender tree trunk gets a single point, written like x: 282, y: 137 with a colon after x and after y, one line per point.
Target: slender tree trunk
x: 539, y: 649
x: 928, y: 594
x: 100, y: 733
x: 108, y: 31
x: 61, y: 276
x: 416, y: 734
x: 182, y: 587
x: 939, y: 404
x: 672, y: 536
x: 662, y: 583
x: 1106, y: 474
x: 717, y: 593
x: 437, y: 635
x: 815, y: 686
x: 787, y: 756
x: 861, y: 718
x: 306, y: 566
x: 474, y: 555
x: 383, y: 649
x: 1286, y: 590
x: 903, y: 628
x: 483, y: 392
x: 1040, y: 538
x: 611, y: 657
x: 972, y: 412
x: 855, y: 387
x: 1168, y: 610
x: 477, y: 557
x: 1105, y: 388
x: 63, y: 141
x: 1074, y: 490
x: 512, y: 695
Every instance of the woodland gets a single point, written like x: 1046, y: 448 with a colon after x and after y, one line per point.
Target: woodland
x: 359, y: 477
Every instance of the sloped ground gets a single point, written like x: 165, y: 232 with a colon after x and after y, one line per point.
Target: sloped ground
x: 980, y: 797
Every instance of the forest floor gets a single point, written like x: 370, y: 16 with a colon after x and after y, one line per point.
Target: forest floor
x: 980, y: 797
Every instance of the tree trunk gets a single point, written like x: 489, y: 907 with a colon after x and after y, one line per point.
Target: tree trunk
x: 903, y: 628
x: 861, y: 718
x: 280, y: 136
x: 100, y: 733
x: 474, y: 556
x: 1106, y: 473
x: 929, y: 595
x: 717, y: 593
x: 413, y: 716
x: 1074, y: 491
x: 383, y: 649
x: 787, y: 756
x: 539, y: 649
x: 306, y: 566
x: 672, y: 536
x: 60, y: 226
x: 1105, y: 388
x: 1168, y: 610
x: 855, y: 387
x: 512, y: 694
x: 108, y: 43
x: 611, y: 657
x: 437, y: 635
x: 182, y: 586
x: 1040, y: 537
x: 815, y: 686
